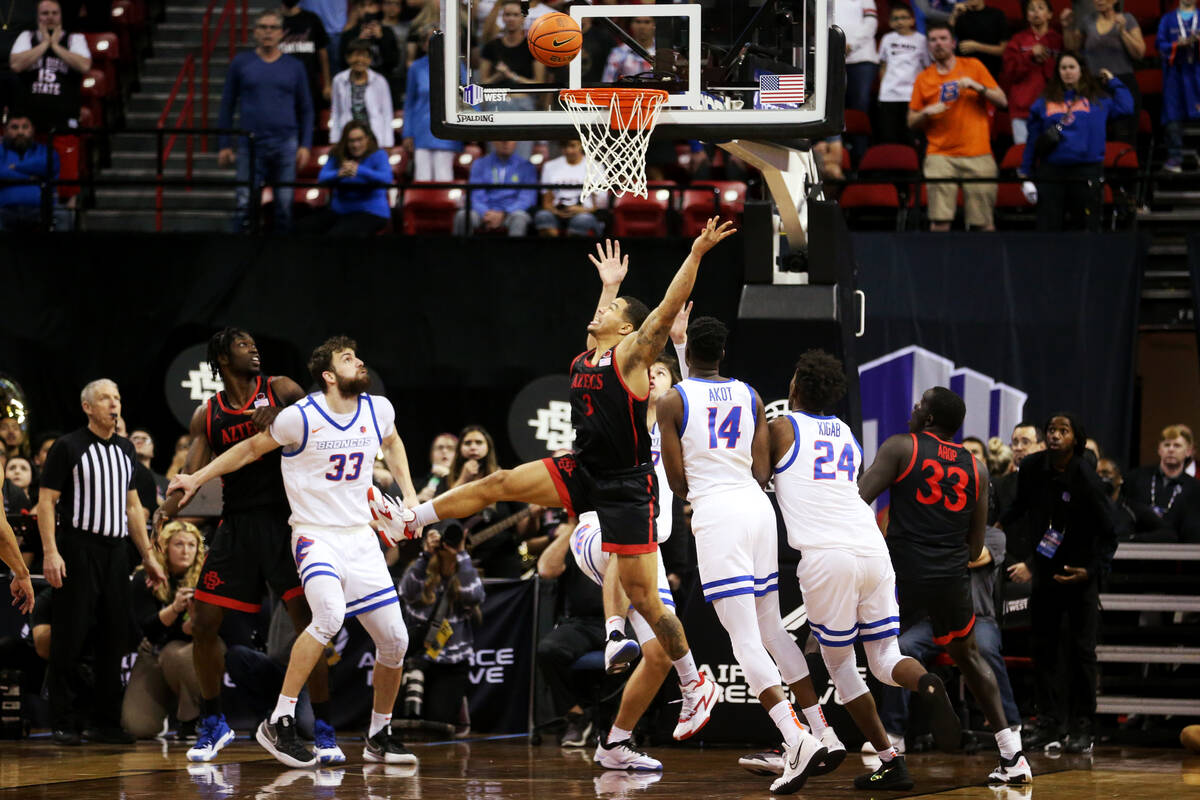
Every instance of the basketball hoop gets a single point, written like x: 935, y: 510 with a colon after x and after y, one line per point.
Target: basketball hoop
x: 614, y: 126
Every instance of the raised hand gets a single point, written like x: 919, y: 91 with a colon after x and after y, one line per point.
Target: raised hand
x: 611, y: 265
x: 711, y: 235
x: 680, y: 323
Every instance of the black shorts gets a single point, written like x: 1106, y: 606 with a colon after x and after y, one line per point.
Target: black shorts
x: 250, y: 548
x: 946, y: 602
x: 626, y: 502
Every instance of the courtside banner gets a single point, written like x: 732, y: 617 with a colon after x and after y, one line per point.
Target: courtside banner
x: 498, y: 680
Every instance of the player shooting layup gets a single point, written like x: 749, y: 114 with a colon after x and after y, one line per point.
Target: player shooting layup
x: 611, y: 471
x: 329, y: 443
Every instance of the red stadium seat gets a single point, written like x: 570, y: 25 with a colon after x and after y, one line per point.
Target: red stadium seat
x: 1010, y: 196
x: 697, y: 203
x: 1120, y: 155
x: 320, y: 154
x: 94, y: 90
x: 106, y: 52
x: 1146, y: 12
x: 870, y: 195
x: 399, y: 160
x: 643, y: 216
x: 857, y: 123
x: 428, y: 210
x: 1012, y: 157
x: 1012, y: 12
x: 1149, y: 81
x: 70, y: 151
x: 1145, y: 123
x: 311, y: 196
x: 889, y: 158
x: 1151, y: 42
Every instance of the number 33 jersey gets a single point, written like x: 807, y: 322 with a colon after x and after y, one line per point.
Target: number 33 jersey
x: 816, y: 484
x: 931, y: 506
x: 329, y: 459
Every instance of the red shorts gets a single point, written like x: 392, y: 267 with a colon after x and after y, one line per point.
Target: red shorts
x: 626, y: 501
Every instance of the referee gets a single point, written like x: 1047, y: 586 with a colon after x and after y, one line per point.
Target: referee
x: 89, y: 474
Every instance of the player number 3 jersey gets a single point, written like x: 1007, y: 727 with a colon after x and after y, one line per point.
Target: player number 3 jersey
x: 716, y: 432
x: 329, y: 459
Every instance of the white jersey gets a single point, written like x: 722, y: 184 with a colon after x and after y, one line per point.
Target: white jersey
x: 666, y: 500
x: 716, y: 433
x: 816, y: 484
x: 329, y: 459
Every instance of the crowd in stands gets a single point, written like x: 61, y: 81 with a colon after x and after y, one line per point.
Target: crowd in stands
x: 439, y: 579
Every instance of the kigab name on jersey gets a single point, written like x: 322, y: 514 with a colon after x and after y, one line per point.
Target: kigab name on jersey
x: 829, y: 427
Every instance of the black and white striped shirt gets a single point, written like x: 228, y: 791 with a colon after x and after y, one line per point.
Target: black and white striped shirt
x: 94, y: 476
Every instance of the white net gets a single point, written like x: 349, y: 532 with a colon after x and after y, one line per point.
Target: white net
x: 615, y: 131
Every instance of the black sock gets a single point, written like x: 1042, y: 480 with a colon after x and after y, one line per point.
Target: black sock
x: 321, y: 711
x: 210, y: 707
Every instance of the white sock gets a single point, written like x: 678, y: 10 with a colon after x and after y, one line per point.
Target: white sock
x: 784, y: 717
x: 616, y: 734
x: 284, y: 707
x: 887, y: 755
x: 425, y: 513
x: 378, y: 723
x: 1009, y: 742
x: 816, y: 719
x: 614, y: 624
x: 686, y: 667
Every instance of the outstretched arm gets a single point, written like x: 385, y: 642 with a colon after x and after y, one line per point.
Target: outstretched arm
x: 199, y: 453
x: 612, y: 267
x: 640, y: 350
x: 397, y: 463
x: 232, y: 459
x: 890, y: 461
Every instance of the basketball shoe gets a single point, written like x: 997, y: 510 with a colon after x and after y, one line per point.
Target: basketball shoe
x: 1013, y: 770
x: 699, y: 697
x: 623, y: 755
x: 768, y: 762
x: 619, y: 652
x: 398, y: 523
x: 212, y: 734
x: 799, y: 761
x: 280, y: 740
x: 327, y: 749
x: 890, y: 775
x: 383, y: 748
x: 834, y: 756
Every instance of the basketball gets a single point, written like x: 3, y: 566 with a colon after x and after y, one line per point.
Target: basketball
x: 555, y: 39
x: 1189, y: 737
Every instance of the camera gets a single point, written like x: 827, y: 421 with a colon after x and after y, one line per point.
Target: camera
x: 453, y: 536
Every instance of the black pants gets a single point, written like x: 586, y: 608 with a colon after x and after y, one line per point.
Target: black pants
x: 328, y: 222
x: 891, y: 124
x: 1082, y: 201
x: 558, y: 650
x: 445, y: 688
x: 1065, y: 661
x: 93, y: 601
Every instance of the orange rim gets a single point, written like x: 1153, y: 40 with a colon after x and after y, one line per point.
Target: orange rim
x: 622, y: 101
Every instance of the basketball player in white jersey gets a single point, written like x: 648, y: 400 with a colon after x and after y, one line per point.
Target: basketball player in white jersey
x: 845, y: 570
x: 715, y: 448
x: 330, y: 440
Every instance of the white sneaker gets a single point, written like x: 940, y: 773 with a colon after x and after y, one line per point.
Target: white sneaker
x: 619, y: 653
x: 397, y: 523
x: 798, y: 762
x: 699, y: 698
x: 1013, y: 770
x: 622, y: 755
x: 768, y: 762
x: 835, y: 755
x: 868, y: 749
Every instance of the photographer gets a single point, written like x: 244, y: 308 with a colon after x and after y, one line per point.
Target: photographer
x: 442, y: 595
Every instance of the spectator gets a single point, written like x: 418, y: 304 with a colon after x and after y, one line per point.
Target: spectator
x: 496, y: 210
x: 394, y: 19
x: 433, y: 158
x: 23, y: 164
x: 48, y: 74
x: 858, y: 20
x: 1178, y: 43
x: 999, y: 458
x: 918, y: 643
x: 271, y: 90
x: 363, y: 95
x: 1132, y: 521
x: 179, y: 458
x: 143, y: 445
x: 332, y: 14
x: 622, y: 60
x: 366, y: 23
x: 355, y: 163
x: 565, y: 208
x: 261, y: 673
x: 1066, y: 139
x: 1166, y: 490
x: 976, y: 446
x: 441, y: 457
x: 43, y: 443
x: 949, y: 102
x: 506, y: 63
x: 597, y: 44
x: 305, y: 39
x: 442, y: 594
x: 18, y: 477
x: 86, y: 561
x: 903, y: 53
x: 491, y: 29
x: 13, y: 438
x: 1064, y: 500
x: 1027, y: 437
x: 982, y: 33
x: 578, y: 629
x: 163, y: 680
x: 1029, y: 60
x: 1109, y: 41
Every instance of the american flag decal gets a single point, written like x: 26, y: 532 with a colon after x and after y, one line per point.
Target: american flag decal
x: 781, y: 88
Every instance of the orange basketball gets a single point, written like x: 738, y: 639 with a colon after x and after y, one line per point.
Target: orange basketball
x: 555, y: 39
x: 1189, y: 737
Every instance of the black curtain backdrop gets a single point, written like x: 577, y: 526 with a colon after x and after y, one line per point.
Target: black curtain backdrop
x: 1054, y: 315
x: 1193, y: 257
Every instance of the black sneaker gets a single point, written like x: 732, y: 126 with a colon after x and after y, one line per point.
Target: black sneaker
x: 579, y: 728
x: 943, y: 722
x: 383, y: 748
x: 1080, y: 743
x: 185, y: 730
x: 280, y: 740
x: 890, y: 775
x: 67, y: 738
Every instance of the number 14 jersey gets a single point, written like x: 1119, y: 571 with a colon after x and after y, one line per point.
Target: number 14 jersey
x: 716, y: 432
x: 931, y: 506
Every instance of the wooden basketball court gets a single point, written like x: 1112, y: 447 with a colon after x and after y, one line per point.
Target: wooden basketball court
x: 510, y: 769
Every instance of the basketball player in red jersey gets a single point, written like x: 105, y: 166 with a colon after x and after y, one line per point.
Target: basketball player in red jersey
x: 937, y: 519
x: 611, y: 470
x: 252, y: 546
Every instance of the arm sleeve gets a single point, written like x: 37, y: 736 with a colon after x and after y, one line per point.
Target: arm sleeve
x: 57, y: 468
x: 1164, y: 41
x: 1122, y: 99
x: 480, y: 198
x: 383, y: 94
x: 77, y: 44
x: 229, y: 95
x: 24, y: 42
x: 36, y: 166
x: 288, y: 427
x: 680, y: 350
x: 866, y: 24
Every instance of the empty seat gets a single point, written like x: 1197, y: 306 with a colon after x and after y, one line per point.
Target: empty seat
x: 320, y: 154
x: 702, y: 199
x: 428, y: 210
x: 643, y: 216
x: 106, y: 52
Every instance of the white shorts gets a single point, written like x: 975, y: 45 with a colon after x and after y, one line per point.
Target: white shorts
x: 586, y: 546
x: 848, y: 597
x: 737, y: 546
x: 351, y: 555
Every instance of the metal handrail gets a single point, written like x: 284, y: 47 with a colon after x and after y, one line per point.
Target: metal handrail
x: 186, y: 113
x: 208, y: 43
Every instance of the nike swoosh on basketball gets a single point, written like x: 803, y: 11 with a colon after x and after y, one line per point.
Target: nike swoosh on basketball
x: 561, y: 42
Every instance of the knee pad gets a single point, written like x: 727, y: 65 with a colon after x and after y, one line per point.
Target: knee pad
x: 386, y: 626
x: 328, y: 608
x: 882, y: 656
x: 843, y: 671
x: 783, y: 648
